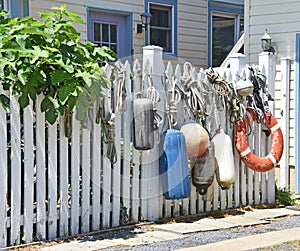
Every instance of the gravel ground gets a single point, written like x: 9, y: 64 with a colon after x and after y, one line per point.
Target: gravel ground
x: 202, y: 238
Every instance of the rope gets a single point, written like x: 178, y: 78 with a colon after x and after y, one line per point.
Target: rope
x: 109, y: 130
x: 153, y: 95
x: 173, y: 99
x: 226, y: 90
x: 121, y: 88
x: 194, y: 98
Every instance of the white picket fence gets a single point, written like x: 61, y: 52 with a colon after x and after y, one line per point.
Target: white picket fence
x: 52, y: 186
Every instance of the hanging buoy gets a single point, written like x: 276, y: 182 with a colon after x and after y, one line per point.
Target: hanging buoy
x: 225, y: 170
x: 174, y: 166
x: 244, y: 87
x: 203, y: 170
x: 254, y: 162
x: 196, y: 137
x: 143, y: 124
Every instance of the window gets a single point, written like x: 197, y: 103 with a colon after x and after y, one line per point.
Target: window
x: 226, y: 30
x: 16, y: 8
x: 106, y: 34
x: 163, y: 25
x: 226, y: 25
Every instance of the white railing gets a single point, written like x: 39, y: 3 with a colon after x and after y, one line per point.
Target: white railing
x: 52, y: 186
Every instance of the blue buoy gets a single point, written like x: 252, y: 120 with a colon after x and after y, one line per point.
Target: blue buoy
x: 174, y: 165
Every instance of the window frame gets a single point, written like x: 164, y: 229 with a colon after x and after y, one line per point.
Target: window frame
x: 16, y: 8
x: 224, y: 10
x: 169, y: 4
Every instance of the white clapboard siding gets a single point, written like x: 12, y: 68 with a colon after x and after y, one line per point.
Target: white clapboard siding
x: 40, y: 172
x: 52, y: 186
x: 63, y: 180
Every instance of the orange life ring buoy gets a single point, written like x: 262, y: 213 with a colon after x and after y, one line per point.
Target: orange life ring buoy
x: 259, y: 164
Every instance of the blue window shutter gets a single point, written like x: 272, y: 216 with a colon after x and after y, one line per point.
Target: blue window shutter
x: 15, y: 10
x: 25, y: 8
x: 19, y: 8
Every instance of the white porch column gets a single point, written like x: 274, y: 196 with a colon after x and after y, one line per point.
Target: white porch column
x: 285, y: 118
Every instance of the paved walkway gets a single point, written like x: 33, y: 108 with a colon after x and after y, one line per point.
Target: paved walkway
x: 251, y: 242
x: 161, y: 232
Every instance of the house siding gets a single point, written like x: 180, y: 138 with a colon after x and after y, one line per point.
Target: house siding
x: 192, y: 28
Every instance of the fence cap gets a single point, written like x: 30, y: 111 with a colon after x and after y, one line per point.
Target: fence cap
x: 237, y: 55
x: 152, y: 48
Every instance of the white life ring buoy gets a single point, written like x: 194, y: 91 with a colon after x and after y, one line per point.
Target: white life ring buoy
x: 259, y: 164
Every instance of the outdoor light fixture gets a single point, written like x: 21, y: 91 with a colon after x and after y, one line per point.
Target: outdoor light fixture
x: 266, y: 42
x: 145, y: 18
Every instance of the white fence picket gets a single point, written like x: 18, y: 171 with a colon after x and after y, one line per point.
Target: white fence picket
x: 15, y: 169
x: 40, y: 172
x: 126, y: 135
x: 63, y: 180
x: 135, y: 185
x: 85, y: 178
x: 116, y: 174
x: 52, y: 181
x: 75, y: 178
x: 3, y: 175
x: 96, y: 171
x: 107, y: 172
x: 28, y: 172
x: 135, y: 180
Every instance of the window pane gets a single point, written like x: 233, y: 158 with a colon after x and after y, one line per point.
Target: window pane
x: 222, y: 38
x: 114, y: 47
x: 104, y: 32
x: 113, y: 33
x: 96, y: 32
x: 160, y: 17
x: 161, y: 38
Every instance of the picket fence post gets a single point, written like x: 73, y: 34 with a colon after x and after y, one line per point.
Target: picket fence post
x: 267, y: 64
x: 150, y: 189
x: 237, y: 64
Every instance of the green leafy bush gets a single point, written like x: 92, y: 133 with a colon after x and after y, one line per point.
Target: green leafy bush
x: 283, y: 197
x: 47, y: 58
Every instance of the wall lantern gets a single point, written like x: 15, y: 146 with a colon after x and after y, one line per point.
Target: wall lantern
x: 266, y: 42
x: 145, y: 18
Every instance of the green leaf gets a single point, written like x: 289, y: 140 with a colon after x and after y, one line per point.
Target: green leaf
x: 4, y: 100
x: 23, y: 100
x: 37, y: 53
x: 59, y: 75
x: 86, y: 76
x: 66, y: 91
x: 50, y: 107
x: 82, y: 105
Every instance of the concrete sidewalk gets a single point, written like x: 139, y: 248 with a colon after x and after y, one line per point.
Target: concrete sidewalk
x: 163, y: 232
x: 251, y: 242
